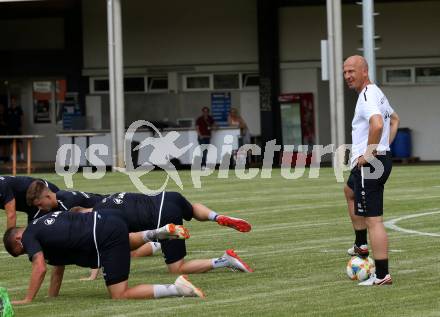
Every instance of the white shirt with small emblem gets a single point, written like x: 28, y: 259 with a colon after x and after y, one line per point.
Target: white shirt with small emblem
x: 371, y: 101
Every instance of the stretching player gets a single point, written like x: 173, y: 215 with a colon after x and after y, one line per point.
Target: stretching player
x: 85, y: 239
x: 148, y: 212
x: 40, y: 196
x: 13, y: 197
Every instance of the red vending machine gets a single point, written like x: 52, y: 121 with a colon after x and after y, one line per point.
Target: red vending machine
x: 298, y: 123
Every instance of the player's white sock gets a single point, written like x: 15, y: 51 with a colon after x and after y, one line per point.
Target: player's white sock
x: 219, y: 262
x: 149, y: 235
x: 155, y: 246
x: 167, y: 290
x: 212, y: 215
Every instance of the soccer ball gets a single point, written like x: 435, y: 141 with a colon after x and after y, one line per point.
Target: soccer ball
x: 360, y: 269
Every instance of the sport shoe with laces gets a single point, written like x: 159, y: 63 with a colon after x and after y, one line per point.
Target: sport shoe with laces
x: 172, y: 231
x: 374, y: 281
x: 235, y: 223
x: 186, y: 288
x: 361, y: 251
x: 235, y: 263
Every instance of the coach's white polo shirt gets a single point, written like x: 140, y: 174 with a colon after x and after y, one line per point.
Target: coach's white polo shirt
x: 371, y: 101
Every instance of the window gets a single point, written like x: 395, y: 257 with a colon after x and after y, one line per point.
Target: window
x: 99, y: 85
x: 197, y: 82
x: 400, y: 75
x: 427, y: 74
x: 226, y: 81
x: 159, y: 83
x: 250, y: 80
x: 134, y: 84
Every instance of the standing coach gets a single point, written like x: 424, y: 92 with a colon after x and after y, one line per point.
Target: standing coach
x: 374, y: 127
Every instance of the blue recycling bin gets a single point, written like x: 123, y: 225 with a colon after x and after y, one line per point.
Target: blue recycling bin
x: 402, y: 145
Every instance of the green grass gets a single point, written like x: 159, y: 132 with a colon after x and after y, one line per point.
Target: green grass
x: 297, y: 246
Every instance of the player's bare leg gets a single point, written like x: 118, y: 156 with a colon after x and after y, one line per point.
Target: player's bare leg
x: 203, y: 213
x: 181, y: 287
x: 229, y: 260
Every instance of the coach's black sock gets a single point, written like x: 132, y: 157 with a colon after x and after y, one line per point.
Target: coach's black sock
x: 381, y: 268
x: 361, y: 237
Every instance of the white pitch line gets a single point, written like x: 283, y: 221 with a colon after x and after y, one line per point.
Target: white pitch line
x: 391, y: 224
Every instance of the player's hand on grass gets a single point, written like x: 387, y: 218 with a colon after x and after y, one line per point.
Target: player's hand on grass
x: 21, y: 302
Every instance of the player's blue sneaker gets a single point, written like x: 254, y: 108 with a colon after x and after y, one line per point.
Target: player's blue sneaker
x: 374, y: 281
x: 186, y: 288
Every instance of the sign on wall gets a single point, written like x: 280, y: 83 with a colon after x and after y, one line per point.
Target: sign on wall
x: 220, y: 107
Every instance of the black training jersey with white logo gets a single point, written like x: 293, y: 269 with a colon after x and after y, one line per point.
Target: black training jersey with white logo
x: 15, y: 187
x: 68, y: 199
x: 141, y: 211
x: 63, y: 237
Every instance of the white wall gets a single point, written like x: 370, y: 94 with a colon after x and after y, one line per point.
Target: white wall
x: 175, y: 32
x: 419, y: 109
x: 406, y: 29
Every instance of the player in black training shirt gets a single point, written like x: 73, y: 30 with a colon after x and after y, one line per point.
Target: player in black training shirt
x: 42, y: 197
x: 144, y: 212
x: 13, y: 197
x: 86, y: 239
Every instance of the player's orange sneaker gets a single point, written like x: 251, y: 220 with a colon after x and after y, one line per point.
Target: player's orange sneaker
x: 186, y: 288
x: 172, y: 231
x: 235, y: 262
x: 235, y: 223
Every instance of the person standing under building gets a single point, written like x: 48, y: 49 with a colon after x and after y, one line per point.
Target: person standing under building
x: 4, y: 143
x: 235, y: 120
x: 374, y: 127
x: 15, y: 124
x: 204, y: 126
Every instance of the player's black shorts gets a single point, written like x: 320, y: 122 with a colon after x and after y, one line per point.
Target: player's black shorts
x: 175, y: 208
x: 369, y: 191
x: 114, y: 248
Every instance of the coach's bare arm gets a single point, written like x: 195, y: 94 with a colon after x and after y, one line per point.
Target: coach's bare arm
x: 11, y: 214
x: 374, y: 135
x: 394, y: 125
x: 37, y: 278
x: 55, y: 280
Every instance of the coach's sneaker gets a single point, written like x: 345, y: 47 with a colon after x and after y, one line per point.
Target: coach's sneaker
x: 186, y: 288
x: 374, y: 281
x: 235, y: 223
x: 361, y: 251
x: 172, y: 231
x: 235, y: 263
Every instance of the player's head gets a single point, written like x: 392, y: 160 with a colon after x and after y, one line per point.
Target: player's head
x: 12, y: 241
x: 40, y: 196
x: 356, y: 72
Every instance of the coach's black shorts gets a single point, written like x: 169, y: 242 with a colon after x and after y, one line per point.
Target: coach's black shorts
x: 369, y: 192
x: 114, y: 248
x: 175, y: 208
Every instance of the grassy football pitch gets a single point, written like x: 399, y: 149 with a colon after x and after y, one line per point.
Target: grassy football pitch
x: 297, y: 246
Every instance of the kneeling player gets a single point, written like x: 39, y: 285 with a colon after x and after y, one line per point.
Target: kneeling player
x: 149, y: 212
x: 86, y: 239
